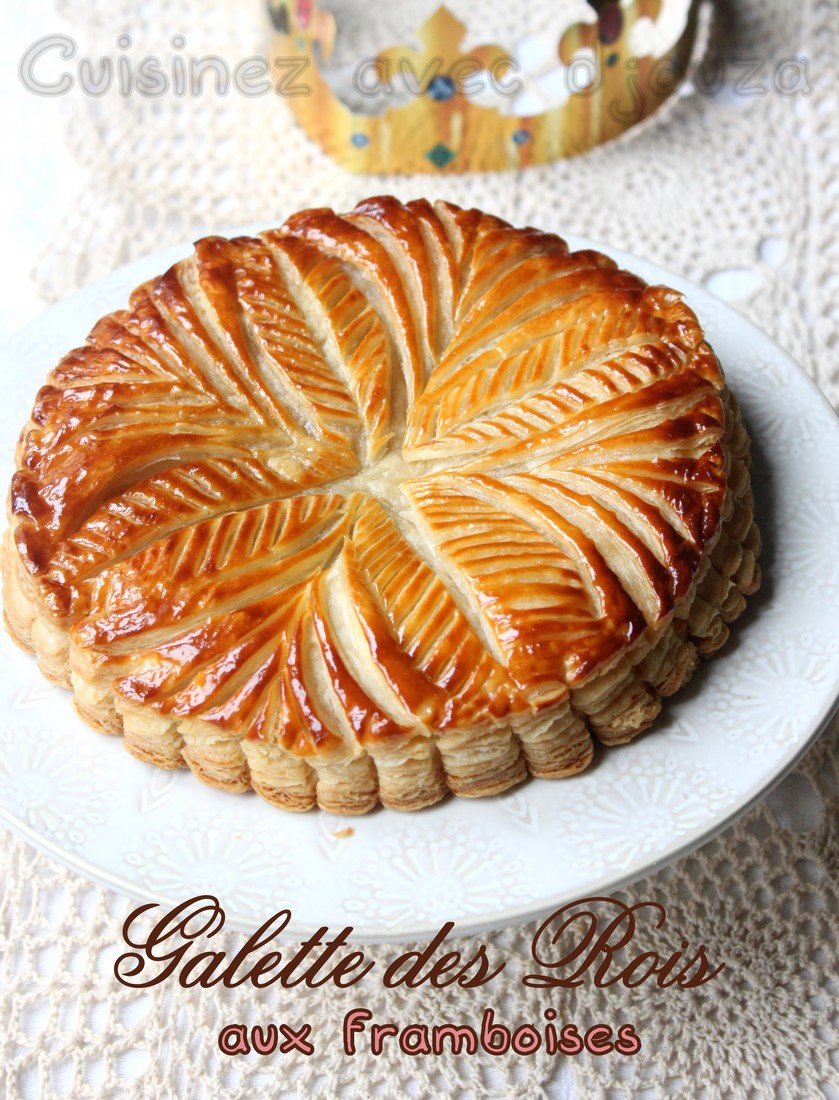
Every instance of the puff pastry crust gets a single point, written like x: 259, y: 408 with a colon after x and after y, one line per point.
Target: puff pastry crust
x: 374, y: 507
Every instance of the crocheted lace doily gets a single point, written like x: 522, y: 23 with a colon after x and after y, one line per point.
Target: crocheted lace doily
x: 738, y: 190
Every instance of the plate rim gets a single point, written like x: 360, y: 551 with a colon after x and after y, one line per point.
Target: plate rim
x: 512, y: 918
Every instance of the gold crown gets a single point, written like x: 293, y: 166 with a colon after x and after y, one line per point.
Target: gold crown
x: 454, y: 110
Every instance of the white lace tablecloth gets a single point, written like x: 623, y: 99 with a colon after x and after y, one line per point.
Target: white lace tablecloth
x: 738, y: 190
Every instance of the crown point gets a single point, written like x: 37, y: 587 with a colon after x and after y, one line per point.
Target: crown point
x: 442, y: 27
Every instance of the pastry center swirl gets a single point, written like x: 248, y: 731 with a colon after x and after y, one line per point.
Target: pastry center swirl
x: 382, y: 479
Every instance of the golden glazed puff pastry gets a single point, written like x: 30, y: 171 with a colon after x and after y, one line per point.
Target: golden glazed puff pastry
x: 379, y: 506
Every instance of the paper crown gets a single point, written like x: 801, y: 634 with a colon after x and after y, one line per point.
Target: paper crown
x: 439, y: 106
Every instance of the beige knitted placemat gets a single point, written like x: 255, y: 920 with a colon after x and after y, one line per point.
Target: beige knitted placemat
x: 739, y: 190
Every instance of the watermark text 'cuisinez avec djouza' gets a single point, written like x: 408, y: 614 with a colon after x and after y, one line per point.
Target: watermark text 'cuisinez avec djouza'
x: 54, y: 66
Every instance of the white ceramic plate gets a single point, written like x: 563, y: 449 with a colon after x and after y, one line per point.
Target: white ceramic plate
x: 748, y: 715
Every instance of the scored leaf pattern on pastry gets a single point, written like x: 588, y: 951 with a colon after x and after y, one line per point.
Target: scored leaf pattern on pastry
x: 389, y: 474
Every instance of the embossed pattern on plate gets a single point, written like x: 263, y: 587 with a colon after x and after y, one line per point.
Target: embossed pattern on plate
x: 747, y: 717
